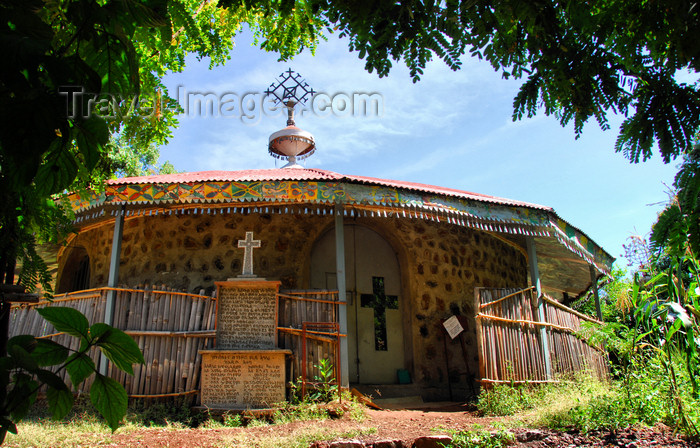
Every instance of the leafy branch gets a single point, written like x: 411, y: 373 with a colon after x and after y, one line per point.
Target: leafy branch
x: 23, y: 373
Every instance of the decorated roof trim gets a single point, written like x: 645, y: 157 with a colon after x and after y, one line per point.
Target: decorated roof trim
x: 387, y: 197
x: 272, y: 175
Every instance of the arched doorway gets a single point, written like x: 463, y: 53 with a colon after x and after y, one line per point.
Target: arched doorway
x: 373, y: 279
x: 75, y: 275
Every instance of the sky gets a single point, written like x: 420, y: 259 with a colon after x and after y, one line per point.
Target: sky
x: 452, y: 128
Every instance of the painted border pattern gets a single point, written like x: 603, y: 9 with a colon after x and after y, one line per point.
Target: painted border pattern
x: 480, y: 214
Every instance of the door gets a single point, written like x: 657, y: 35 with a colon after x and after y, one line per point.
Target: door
x: 375, y: 332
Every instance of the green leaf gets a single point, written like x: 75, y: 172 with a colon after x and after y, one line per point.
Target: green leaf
x: 7, y: 425
x: 58, y: 169
x: 49, y: 353
x: 51, y: 379
x: 26, y: 341
x: 79, y: 367
x: 92, y: 136
x: 642, y: 336
x: 673, y: 330
x: 22, y: 358
x: 66, y: 320
x: 60, y: 402
x: 21, y: 396
x: 111, y: 55
x: 118, y: 347
x: 58, y: 395
x: 110, y: 399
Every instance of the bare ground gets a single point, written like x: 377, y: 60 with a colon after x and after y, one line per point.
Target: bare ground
x: 392, y: 425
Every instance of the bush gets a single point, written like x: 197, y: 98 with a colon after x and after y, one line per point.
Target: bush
x: 643, y: 396
x: 506, y: 399
x: 321, y: 390
x: 600, y: 412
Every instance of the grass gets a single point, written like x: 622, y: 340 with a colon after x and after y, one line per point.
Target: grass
x: 84, y: 427
x: 476, y: 437
x: 76, y: 434
x: 300, y: 438
x: 529, y: 402
x: 586, y: 404
x: 45, y: 433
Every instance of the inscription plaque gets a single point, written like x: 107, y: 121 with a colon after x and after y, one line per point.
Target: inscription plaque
x: 239, y: 379
x: 247, y: 315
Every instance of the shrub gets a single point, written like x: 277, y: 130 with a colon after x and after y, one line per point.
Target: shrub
x: 506, y: 399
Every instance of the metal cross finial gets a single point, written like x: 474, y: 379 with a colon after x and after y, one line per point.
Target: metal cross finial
x: 290, y: 88
x: 248, y: 244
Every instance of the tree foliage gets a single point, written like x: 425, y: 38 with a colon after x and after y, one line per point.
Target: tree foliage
x: 81, y: 99
x: 677, y: 228
x: 81, y: 96
x: 579, y: 59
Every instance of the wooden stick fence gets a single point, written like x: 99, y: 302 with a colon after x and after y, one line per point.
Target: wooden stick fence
x: 508, y: 338
x: 296, y: 308
x: 170, y: 328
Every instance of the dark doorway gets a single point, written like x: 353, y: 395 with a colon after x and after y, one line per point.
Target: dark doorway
x: 76, y: 272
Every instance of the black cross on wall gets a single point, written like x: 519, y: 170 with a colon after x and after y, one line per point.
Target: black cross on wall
x: 380, y: 302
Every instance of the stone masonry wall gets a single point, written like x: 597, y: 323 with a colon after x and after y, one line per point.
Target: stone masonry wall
x: 191, y: 252
x: 441, y: 265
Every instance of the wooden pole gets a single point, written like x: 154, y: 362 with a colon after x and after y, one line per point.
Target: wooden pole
x: 535, y: 280
x: 447, y: 365
x: 113, y: 276
x: 342, y: 311
x: 594, y: 286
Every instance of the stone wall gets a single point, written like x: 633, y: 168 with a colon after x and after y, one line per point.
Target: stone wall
x: 191, y: 252
x: 441, y: 265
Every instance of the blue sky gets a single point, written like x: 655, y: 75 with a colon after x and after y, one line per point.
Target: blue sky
x: 452, y: 129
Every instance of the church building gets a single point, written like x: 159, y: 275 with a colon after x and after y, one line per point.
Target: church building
x: 399, y: 258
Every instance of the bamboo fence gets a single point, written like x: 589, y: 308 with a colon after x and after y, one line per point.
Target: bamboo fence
x: 297, y: 308
x: 509, y: 338
x: 170, y: 328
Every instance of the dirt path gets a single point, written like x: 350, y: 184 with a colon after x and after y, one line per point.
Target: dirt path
x: 387, y: 425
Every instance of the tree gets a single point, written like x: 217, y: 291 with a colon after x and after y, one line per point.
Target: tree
x: 580, y: 59
x: 81, y: 99
x: 677, y: 228
x: 76, y: 72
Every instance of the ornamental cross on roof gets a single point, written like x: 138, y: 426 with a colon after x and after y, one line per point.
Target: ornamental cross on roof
x: 290, y: 87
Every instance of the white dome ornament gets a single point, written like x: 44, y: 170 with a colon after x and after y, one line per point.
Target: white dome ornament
x: 291, y: 142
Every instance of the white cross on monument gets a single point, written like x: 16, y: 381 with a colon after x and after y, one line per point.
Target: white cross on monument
x: 248, y: 244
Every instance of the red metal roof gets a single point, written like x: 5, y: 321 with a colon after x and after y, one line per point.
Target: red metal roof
x: 230, y: 176
x: 311, y: 174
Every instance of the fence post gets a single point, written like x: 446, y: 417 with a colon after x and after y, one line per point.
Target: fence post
x: 342, y: 309
x: 594, y: 287
x: 535, y: 279
x: 113, y: 276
